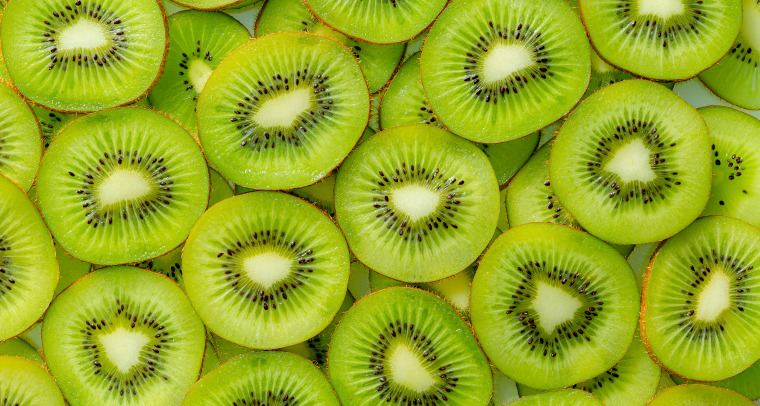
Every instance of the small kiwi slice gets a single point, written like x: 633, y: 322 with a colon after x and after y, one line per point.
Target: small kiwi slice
x: 666, y: 381
x: 640, y: 258
x: 71, y: 269
x: 632, y: 163
x: 699, y: 395
x: 33, y: 336
x: 562, y: 397
x: 744, y: 383
x: 24, y: 382
x: 51, y: 123
x: 700, y: 307
x: 282, y: 111
x: 358, y: 281
x: 406, y: 347
x: 504, y: 389
x: 123, y: 336
x: 210, y: 359
x: 553, y: 306
x: 200, y: 40
x: 417, y: 203
x: 665, y: 40
x: 495, y: 71
x: 322, y: 193
x: 16, y: 347
x: 263, y: 378
x: 374, y: 109
x: 122, y: 185
x: 20, y: 145
x: 215, y: 4
x: 227, y: 350
x: 503, y: 223
x: 82, y: 55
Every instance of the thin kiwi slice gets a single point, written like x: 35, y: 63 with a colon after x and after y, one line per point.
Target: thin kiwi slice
x: 744, y: 383
x: 386, y: 22
x: 16, y: 347
x: 699, y: 395
x: 504, y: 389
x: 632, y: 163
x: 374, y: 109
x: 553, y: 306
x: 700, y: 307
x: 51, y: 123
x: 562, y: 397
x: 33, y: 336
x: 378, y: 62
x: 200, y: 40
x: 263, y: 378
x: 283, y: 111
x: 406, y: 347
x: 82, y: 55
x: 122, y: 185
x: 71, y: 269
x: 665, y: 40
x: 24, y: 382
x: 123, y: 336
x: 20, y: 144
x: 417, y: 203
x: 495, y: 71
x: 265, y: 269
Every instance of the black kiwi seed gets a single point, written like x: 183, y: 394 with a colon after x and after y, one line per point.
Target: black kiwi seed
x: 655, y: 29
x: 184, y: 64
x: 7, y: 278
x: 48, y: 124
x: 280, y: 398
x: 734, y: 163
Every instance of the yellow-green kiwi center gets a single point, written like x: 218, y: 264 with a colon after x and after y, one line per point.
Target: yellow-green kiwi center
x: 554, y: 306
x: 631, y: 162
x: 123, y: 348
x: 504, y: 60
x: 415, y: 201
x: 123, y: 186
x: 85, y: 34
x: 714, y: 299
x: 663, y: 9
x: 406, y: 369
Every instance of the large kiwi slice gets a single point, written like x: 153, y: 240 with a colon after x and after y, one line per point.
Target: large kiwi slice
x: 20, y: 144
x: 553, y: 306
x: 699, y: 395
x: 265, y: 269
x: 83, y: 55
x: 283, y: 110
x: 417, y: 203
x: 562, y: 397
x: 123, y: 336
x: 494, y: 71
x: 632, y: 163
x: 23, y: 382
x: 662, y: 39
x: 701, y: 310
x: 122, y: 185
x: 405, y: 347
x: 263, y: 378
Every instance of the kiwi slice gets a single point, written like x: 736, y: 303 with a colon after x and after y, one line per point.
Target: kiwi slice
x: 640, y: 258
x: 200, y: 40
x: 33, y: 336
x: 665, y: 40
x: 71, y: 269
x: 632, y: 163
x: 406, y: 347
x: 503, y: 223
x: 265, y: 269
x: 700, y: 307
x: 210, y: 359
x: 20, y: 145
x: 374, y: 109
x: 122, y: 185
x: 666, y: 381
x: 553, y: 306
x: 16, y: 347
x: 81, y: 55
x: 215, y: 4
x: 415, y: 45
x: 504, y: 389
x: 386, y: 22
x: 495, y: 71
x: 123, y: 335
x: 562, y: 397
x: 699, y: 395
x: 744, y: 383
x: 263, y: 378
x: 227, y: 350
x: 417, y: 203
x: 322, y: 193
x: 24, y: 382
x: 51, y: 123
x: 378, y: 62
x: 283, y: 111
x: 358, y: 281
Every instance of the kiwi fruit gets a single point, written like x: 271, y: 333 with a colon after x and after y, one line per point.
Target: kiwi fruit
x: 210, y: 359
x: 83, y: 55
x: 16, y: 347
x: 20, y: 144
x: 51, y: 123
x: 358, y: 281
x: 666, y: 381
x: 123, y: 336
x: 24, y: 382
x: 699, y: 395
x: 640, y: 258
x: 406, y: 347
x: 227, y: 350
x: 33, y: 336
x: 503, y: 223
x: 744, y: 383
x: 495, y: 71
x: 504, y: 389
x: 321, y: 194
x: 215, y: 4
x: 70, y: 268
x: 562, y: 397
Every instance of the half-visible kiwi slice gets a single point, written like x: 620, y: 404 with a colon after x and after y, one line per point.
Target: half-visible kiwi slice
x: 701, y: 308
x: 16, y: 347
x: 417, y: 203
x: 265, y: 269
x: 562, y: 397
x: 358, y: 281
x: 71, y: 269
x: 553, y: 306
x: 123, y: 336
x: 406, y: 347
x: 122, y: 185
x: 82, y: 55
x: 215, y: 4
x: 495, y: 71
x: 632, y: 163
x: 263, y: 378
x: 24, y: 382
x: 662, y: 39
x: 640, y: 258
x: 322, y: 193
x: 227, y: 350
x: 699, y: 395
x: 51, y: 123
x: 210, y: 359
x: 283, y: 111
x: 20, y: 144
x: 744, y: 383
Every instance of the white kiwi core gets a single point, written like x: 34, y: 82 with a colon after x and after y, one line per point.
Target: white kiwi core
x: 267, y: 268
x: 715, y: 298
x: 406, y: 369
x: 631, y: 162
x: 283, y: 109
x: 123, y: 347
x: 504, y: 60
x: 123, y: 185
x: 554, y: 306
x: 198, y: 73
x: 84, y: 34
x: 661, y: 8
x: 415, y: 201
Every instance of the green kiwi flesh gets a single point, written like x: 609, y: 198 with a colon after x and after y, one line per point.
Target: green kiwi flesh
x: 744, y: 383
x: 71, y: 269
x: 215, y: 4
x: 51, y: 123
x: 562, y: 397
x: 210, y: 359
x: 322, y: 193
x: 24, y: 382
x: 358, y: 281
x: 699, y: 395
x: 16, y: 347
x: 20, y: 146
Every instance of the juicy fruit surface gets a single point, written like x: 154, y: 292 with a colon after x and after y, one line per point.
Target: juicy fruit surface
x: 20, y: 148
x: 23, y: 382
x: 699, y: 395
x: 563, y: 397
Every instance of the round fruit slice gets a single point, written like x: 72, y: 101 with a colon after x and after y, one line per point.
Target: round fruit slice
x: 563, y: 397
x: 265, y: 269
x: 632, y: 163
x: 122, y: 186
x: 662, y: 39
x: 744, y: 383
x: 495, y: 71
x: 553, y: 306
x: 263, y: 378
x: 283, y: 111
x: 403, y: 343
x: 123, y: 336
x: 699, y: 395
x: 20, y: 144
x: 23, y: 382
x: 701, y: 308
x: 74, y: 55
x: 417, y: 203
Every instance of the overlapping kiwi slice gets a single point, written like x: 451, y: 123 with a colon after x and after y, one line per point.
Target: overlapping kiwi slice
x: 700, y: 303
x: 699, y: 395
x: 744, y: 383
x: 16, y: 347
x: 20, y: 145
x: 23, y: 382
x: 123, y: 336
x: 265, y: 269
x: 417, y: 203
x: 405, y: 347
x: 215, y: 4
x: 562, y: 397
x: 283, y: 111
x: 494, y: 71
x: 51, y: 123
x: 84, y: 55
x: 553, y: 306
x: 632, y: 163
